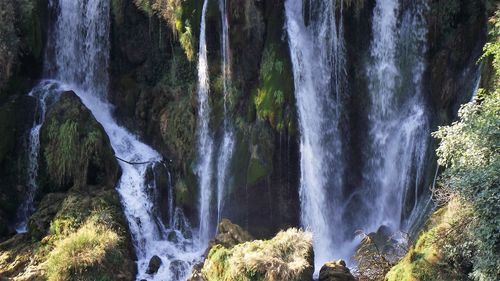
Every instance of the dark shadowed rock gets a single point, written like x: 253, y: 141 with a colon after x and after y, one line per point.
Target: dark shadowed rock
x: 154, y: 265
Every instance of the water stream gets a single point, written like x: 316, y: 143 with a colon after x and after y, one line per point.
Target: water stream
x: 204, y: 169
x: 393, y: 164
x: 227, y: 146
x: 317, y: 52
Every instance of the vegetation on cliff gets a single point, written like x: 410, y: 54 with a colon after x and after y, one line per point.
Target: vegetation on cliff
x: 461, y: 240
x: 78, y: 231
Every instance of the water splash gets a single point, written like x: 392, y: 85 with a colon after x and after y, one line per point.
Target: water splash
x: 45, y: 93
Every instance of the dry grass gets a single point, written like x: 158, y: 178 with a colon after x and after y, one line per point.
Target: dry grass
x: 80, y: 251
x: 285, y: 257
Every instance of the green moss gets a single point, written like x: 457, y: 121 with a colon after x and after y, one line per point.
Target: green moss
x: 179, y: 14
x: 426, y: 260
x: 182, y: 194
x: 274, y: 90
x: 145, y: 6
x: 256, y: 171
x: 187, y: 40
x: 31, y: 17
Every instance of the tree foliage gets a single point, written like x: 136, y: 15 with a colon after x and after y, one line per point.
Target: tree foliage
x: 470, y: 151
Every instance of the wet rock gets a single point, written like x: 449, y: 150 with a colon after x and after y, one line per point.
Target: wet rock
x: 335, y: 271
x: 196, y: 273
x: 154, y: 265
x: 230, y: 234
x: 71, y: 135
x: 381, y: 242
x: 172, y: 237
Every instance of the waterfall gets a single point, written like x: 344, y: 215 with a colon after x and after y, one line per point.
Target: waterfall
x: 399, y: 130
x: 227, y: 147
x: 317, y: 52
x: 393, y: 171
x: 45, y: 93
x: 204, y: 169
x: 80, y: 42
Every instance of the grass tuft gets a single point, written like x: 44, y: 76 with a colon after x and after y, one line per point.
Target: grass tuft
x: 80, y: 251
x: 285, y: 257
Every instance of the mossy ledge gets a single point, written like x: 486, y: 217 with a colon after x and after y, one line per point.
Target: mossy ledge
x: 79, y: 231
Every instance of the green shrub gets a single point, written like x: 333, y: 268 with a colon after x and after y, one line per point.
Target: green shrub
x: 470, y: 151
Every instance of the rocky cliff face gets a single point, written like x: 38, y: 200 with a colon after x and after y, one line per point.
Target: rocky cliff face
x: 154, y: 89
x: 23, y: 26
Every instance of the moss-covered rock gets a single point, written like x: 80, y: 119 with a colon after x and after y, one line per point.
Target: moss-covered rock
x: 335, y: 271
x: 426, y: 260
x: 230, y: 235
x: 288, y: 256
x: 79, y: 232
x: 74, y: 147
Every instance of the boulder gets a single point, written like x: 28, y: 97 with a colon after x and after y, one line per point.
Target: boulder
x: 77, y: 196
x: 335, y: 271
x: 287, y: 256
x: 196, y: 275
x: 154, y: 264
x: 230, y: 234
x: 74, y: 147
x: 380, y: 243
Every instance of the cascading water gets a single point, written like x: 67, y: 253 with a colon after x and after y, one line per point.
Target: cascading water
x: 204, y: 169
x: 317, y: 52
x: 399, y: 129
x: 393, y: 164
x: 227, y: 147
x: 81, y: 53
x: 45, y: 93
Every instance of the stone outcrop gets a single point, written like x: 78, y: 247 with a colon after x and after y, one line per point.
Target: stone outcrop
x: 287, y: 256
x: 154, y: 265
x: 22, y: 38
x: 230, y: 235
x: 335, y: 271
